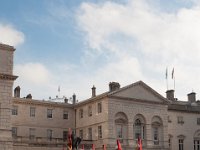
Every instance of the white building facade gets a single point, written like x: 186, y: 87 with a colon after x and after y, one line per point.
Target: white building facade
x: 123, y: 113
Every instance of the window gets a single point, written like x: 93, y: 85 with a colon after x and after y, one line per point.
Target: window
x: 198, y: 121
x: 81, y: 134
x: 99, y: 132
x: 89, y: 110
x: 14, y: 110
x: 139, y: 129
x: 32, y: 111
x: 196, y: 144
x: 81, y: 113
x: 89, y: 133
x: 180, y: 120
x: 180, y: 144
x: 49, y: 134
x: 155, y: 136
x: 14, y: 132
x: 99, y: 105
x: 31, y: 133
x: 65, y: 114
x: 119, y: 131
x: 169, y: 119
x: 65, y: 135
x: 49, y: 113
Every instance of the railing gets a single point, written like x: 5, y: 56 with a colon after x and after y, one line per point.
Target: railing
x: 39, y: 140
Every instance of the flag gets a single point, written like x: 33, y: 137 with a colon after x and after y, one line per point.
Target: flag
x: 104, y: 147
x: 173, y: 73
x: 139, y: 144
x: 63, y: 146
x: 166, y: 74
x: 93, y: 147
x: 69, y: 140
x: 119, y: 147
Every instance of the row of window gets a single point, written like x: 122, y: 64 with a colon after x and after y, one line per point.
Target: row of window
x: 32, y: 133
x: 90, y: 131
x: 99, y: 110
x: 181, y: 144
x: 181, y: 121
x: 33, y: 112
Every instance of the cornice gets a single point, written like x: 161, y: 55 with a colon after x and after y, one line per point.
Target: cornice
x: 7, y: 77
x: 6, y: 47
x: 40, y: 103
x: 136, y: 100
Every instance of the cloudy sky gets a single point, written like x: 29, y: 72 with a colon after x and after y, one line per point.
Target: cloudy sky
x: 78, y: 44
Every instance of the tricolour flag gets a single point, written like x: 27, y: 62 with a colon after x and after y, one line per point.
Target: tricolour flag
x: 104, y: 147
x: 69, y: 140
x: 93, y: 147
x: 119, y: 147
x: 139, y: 143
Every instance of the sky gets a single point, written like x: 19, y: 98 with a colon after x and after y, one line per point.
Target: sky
x: 77, y: 44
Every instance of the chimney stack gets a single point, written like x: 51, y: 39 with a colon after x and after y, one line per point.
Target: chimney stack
x: 29, y: 96
x: 66, y: 100
x: 113, y: 86
x: 192, y: 97
x: 170, y: 95
x: 93, y: 91
x: 17, y: 92
x: 74, y: 98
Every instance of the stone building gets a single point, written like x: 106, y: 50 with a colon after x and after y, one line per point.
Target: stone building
x: 123, y: 113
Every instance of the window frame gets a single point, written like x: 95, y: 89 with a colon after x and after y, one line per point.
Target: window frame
x: 32, y: 133
x: 65, y: 114
x: 14, y: 132
x: 49, y: 113
x: 81, y: 113
x: 180, y: 144
x: 89, y: 110
x: 49, y: 134
x: 100, y: 132
x: 14, y: 110
x: 90, y: 133
x: 32, y: 111
x: 99, y: 107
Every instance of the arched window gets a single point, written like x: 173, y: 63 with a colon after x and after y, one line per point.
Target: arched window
x: 121, y: 126
x: 139, y: 127
x: 197, y: 140
x: 157, y: 130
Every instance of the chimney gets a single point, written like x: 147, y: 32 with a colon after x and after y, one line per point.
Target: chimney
x: 113, y: 86
x: 170, y: 95
x: 17, y: 92
x: 66, y: 100
x: 93, y: 91
x: 29, y: 96
x: 74, y: 98
x: 192, y: 97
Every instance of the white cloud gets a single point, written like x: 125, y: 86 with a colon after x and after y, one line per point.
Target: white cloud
x: 33, y: 73
x: 9, y: 35
x: 159, y: 39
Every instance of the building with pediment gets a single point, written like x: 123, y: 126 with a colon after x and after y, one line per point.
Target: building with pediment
x: 124, y: 113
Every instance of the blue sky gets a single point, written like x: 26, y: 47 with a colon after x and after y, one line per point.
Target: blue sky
x: 78, y: 44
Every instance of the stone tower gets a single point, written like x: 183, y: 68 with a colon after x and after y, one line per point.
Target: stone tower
x: 6, y: 84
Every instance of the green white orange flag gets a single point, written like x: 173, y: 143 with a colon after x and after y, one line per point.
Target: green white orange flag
x: 119, y: 147
x: 139, y: 144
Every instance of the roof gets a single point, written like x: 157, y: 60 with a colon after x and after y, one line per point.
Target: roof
x: 111, y: 93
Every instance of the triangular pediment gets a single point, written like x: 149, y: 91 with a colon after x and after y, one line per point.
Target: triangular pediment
x: 139, y: 91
